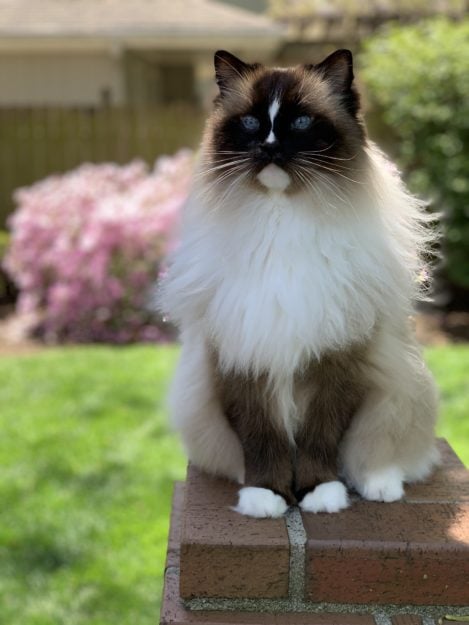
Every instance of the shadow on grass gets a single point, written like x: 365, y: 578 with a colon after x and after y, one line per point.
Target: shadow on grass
x: 38, y: 552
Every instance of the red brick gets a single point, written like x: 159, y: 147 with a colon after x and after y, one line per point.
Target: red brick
x: 174, y: 613
x: 174, y: 538
x: 389, y: 553
x: 224, y: 554
x: 449, y: 482
x: 448, y: 456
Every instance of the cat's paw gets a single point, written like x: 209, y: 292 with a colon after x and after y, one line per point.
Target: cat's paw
x: 383, y: 485
x: 327, y: 497
x: 260, y: 503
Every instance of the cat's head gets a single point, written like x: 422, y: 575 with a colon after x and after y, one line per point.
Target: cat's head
x: 284, y: 129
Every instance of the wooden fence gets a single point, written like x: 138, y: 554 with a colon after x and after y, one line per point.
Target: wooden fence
x: 37, y: 142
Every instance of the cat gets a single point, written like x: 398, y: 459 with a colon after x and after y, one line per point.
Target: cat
x: 300, y: 257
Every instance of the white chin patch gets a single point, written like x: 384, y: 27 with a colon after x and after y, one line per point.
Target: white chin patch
x: 327, y: 497
x: 273, y: 177
x: 260, y: 503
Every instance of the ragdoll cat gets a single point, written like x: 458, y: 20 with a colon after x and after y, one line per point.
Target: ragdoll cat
x: 292, y: 287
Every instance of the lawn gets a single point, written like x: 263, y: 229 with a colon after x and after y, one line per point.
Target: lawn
x: 87, y: 467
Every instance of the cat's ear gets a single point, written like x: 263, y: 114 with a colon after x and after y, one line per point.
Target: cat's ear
x: 337, y: 69
x: 228, y: 68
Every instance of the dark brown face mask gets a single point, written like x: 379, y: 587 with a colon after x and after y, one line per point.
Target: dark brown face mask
x: 303, y: 119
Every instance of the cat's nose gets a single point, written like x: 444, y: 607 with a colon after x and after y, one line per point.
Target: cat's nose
x: 270, y: 148
x: 270, y: 152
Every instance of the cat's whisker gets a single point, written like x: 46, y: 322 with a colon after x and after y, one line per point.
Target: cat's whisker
x: 335, y: 189
x: 212, y: 190
x: 218, y: 180
x: 335, y: 158
x: 317, y: 190
x: 229, y: 189
x: 332, y: 166
x: 215, y: 158
x: 328, y: 147
x: 230, y: 163
x: 319, y: 159
x: 221, y: 179
x: 314, y: 189
x: 230, y: 152
x: 327, y: 181
x: 230, y: 160
x: 335, y: 171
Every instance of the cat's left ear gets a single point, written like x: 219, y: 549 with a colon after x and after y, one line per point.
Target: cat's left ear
x: 228, y: 68
x: 337, y: 69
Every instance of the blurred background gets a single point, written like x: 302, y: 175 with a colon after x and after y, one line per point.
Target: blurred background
x: 102, y: 103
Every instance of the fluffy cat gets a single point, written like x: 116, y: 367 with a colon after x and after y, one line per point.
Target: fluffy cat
x: 300, y: 257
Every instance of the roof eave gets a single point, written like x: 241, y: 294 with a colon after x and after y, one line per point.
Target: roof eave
x: 204, y: 40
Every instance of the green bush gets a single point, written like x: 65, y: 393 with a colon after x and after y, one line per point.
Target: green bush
x: 418, y: 78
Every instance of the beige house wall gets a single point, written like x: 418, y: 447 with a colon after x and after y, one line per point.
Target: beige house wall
x: 65, y: 78
x: 92, y: 72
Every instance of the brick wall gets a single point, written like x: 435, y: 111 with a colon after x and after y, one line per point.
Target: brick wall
x: 403, y: 563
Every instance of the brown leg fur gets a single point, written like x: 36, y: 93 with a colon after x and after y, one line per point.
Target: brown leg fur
x: 334, y: 390
x: 328, y: 394
x: 267, y: 450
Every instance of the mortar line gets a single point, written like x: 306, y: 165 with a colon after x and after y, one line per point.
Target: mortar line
x: 381, y: 618
x: 297, y: 539
x: 429, y: 614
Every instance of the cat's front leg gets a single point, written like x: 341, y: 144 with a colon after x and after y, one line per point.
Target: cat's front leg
x: 269, y: 474
x: 266, y: 447
x: 317, y: 486
x: 330, y: 390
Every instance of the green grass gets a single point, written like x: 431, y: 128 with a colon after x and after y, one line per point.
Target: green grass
x: 87, y: 471
x: 450, y: 366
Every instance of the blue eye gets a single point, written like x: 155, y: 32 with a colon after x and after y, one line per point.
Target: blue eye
x: 250, y: 123
x: 302, y: 123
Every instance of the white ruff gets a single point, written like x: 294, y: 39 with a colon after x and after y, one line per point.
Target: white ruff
x: 286, y: 286
x: 274, y: 280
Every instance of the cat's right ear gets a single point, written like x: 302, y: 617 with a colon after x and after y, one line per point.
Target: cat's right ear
x: 228, y: 68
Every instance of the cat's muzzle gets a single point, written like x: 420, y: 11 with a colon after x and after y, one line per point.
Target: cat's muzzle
x: 269, y: 152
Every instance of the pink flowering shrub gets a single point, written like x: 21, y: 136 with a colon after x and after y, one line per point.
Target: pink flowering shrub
x: 87, y: 247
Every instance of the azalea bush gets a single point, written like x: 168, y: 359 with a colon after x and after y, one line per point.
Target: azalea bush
x: 87, y: 247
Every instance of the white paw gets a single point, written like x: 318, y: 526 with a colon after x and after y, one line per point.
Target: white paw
x: 260, y: 503
x: 383, y: 485
x: 327, y: 497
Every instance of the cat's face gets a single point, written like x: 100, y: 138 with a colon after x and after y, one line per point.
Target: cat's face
x: 284, y: 129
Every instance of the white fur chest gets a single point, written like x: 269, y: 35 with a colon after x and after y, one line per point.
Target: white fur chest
x: 286, y: 283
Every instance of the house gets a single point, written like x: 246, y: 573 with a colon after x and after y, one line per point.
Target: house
x: 91, y: 53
